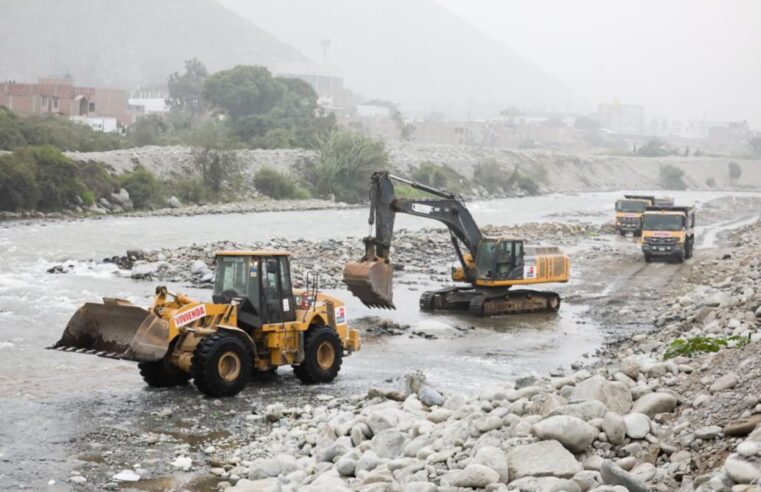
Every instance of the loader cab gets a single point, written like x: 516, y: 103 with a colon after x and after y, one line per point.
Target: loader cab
x: 260, y: 281
x: 499, y: 259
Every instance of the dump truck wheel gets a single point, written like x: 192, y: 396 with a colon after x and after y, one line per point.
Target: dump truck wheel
x: 323, y: 355
x: 162, y: 374
x: 221, y: 365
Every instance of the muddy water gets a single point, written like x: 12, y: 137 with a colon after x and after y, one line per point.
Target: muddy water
x: 51, y: 402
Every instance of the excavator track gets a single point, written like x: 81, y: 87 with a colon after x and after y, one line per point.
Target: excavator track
x: 480, y: 304
x: 515, y: 302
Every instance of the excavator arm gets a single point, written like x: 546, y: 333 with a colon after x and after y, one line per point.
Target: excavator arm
x: 370, y: 279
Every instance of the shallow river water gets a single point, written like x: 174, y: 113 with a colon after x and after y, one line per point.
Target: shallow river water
x: 47, y: 398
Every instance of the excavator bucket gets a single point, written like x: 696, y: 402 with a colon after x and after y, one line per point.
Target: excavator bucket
x: 370, y: 281
x: 116, y: 329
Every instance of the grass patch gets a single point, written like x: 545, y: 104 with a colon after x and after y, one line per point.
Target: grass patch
x: 700, y: 345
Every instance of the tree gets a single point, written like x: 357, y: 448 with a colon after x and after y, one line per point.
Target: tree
x: 186, y: 90
x: 671, y: 178
x: 243, y: 90
x: 147, y: 130
x: 735, y: 171
x: 347, y: 160
x: 214, y: 160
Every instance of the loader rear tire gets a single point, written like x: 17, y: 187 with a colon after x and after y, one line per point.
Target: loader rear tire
x: 162, y: 374
x: 323, y: 355
x: 221, y: 365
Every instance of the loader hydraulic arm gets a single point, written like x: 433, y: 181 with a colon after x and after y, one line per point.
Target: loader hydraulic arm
x: 449, y: 210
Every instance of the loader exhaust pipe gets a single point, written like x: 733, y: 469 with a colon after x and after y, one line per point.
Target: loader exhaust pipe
x: 116, y: 329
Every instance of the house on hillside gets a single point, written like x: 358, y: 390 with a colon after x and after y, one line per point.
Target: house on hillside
x: 102, y: 109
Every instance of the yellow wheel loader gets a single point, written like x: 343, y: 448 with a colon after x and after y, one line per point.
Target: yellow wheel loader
x: 256, y: 322
x: 490, y: 267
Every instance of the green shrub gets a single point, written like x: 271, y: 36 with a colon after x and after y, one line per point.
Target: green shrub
x: 439, y: 176
x: 143, y: 187
x: 59, y: 132
x: 491, y: 175
x: 524, y: 183
x: 699, y: 345
x: 88, y: 197
x: 57, y: 177
x: 671, y: 178
x: 655, y: 147
x: 97, y: 179
x: 710, y: 182
x: 347, y: 160
x: 18, y: 183
x: 187, y: 188
x: 277, y: 185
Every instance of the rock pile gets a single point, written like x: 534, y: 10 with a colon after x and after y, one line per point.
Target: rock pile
x: 424, y: 252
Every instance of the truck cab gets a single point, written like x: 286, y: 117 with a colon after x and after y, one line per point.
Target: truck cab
x: 629, y: 211
x: 668, y: 232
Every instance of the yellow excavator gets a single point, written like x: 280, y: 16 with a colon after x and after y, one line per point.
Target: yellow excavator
x: 255, y: 323
x: 490, y: 267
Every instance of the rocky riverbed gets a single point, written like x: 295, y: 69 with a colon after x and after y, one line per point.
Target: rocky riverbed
x: 635, y: 420
x: 628, y: 418
x: 426, y: 252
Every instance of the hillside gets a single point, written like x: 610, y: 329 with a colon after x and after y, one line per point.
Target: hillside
x: 111, y: 43
x: 415, y: 52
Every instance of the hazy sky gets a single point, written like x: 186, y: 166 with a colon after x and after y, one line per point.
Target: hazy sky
x: 680, y: 58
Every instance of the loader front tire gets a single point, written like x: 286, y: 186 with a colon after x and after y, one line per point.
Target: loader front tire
x: 162, y: 374
x: 221, y: 365
x: 323, y: 355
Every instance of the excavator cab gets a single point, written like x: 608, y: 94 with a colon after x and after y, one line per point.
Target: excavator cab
x: 499, y: 259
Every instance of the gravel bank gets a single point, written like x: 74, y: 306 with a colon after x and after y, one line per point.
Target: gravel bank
x: 633, y: 421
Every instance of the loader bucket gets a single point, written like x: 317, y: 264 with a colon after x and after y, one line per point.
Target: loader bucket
x: 370, y: 281
x: 116, y: 329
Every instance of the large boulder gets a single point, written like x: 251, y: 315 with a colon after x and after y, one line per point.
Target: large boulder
x: 614, y: 427
x: 572, y: 432
x: 741, y: 471
x: 614, y: 394
x: 542, y: 459
x: 612, y: 474
x: 122, y: 199
x: 653, y: 403
x: 388, y: 444
x: 637, y: 425
x: 494, y: 458
x: 474, y: 476
x: 585, y: 410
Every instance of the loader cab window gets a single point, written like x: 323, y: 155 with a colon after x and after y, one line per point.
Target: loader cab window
x: 277, y: 294
x: 232, y: 276
x: 238, y: 277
